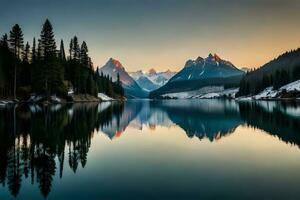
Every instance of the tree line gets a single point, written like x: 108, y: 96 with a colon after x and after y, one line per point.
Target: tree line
x: 42, y: 69
x: 277, y: 73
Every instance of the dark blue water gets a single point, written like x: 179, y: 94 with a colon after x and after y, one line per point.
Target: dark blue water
x: 175, y: 149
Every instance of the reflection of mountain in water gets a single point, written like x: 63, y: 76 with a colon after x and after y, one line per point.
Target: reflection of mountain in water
x: 119, y: 120
x: 151, y: 116
x: 280, y: 119
x: 33, y: 137
x: 211, y: 119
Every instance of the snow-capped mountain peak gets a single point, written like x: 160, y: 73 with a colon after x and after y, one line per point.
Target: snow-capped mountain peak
x: 201, y: 72
x: 114, y: 63
x: 213, y: 66
x: 113, y: 68
x: 152, y: 79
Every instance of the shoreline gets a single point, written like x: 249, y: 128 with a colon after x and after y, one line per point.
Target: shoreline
x: 6, y: 102
x: 58, y: 101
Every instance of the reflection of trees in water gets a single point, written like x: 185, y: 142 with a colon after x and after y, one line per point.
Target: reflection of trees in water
x: 274, y: 118
x: 30, y: 149
x: 40, y: 137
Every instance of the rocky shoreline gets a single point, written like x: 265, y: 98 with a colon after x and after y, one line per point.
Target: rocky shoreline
x: 78, y: 98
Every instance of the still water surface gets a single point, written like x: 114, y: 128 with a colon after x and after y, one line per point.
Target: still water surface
x: 173, y: 149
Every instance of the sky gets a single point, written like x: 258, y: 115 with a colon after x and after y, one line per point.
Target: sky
x: 164, y: 34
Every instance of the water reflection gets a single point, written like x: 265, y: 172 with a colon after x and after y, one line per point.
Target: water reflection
x: 37, y: 142
x: 212, y: 119
x: 280, y: 119
x: 28, y: 148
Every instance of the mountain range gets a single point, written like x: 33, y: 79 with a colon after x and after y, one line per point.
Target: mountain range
x: 152, y: 79
x: 209, y: 71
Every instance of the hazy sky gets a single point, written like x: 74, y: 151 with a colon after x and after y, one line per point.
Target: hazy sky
x: 164, y: 33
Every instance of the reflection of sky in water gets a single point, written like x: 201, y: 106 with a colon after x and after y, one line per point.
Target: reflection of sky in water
x: 165, y: 163
x: 162, y: 162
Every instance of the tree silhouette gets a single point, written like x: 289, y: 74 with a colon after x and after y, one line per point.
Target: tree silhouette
x: 33, y: 51
x: 16, y: 42
x: 26, y: 53
x: 62, y: 54
x: 84, y: 58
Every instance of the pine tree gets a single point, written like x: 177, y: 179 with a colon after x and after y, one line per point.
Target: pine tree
x: 25, y: 68
x: 119, y: 88
x: 62, y: 54
x: 39, y: 51
x: 4, y: 41
x: 76, y: 49
x: 26, y: 53
x: 84, y: 58
x: 6, y: 67
x: 71, y: 49
x: 16, y: 42
x: 33, y: 51
x: 53, y: 72
x: 47, y: 41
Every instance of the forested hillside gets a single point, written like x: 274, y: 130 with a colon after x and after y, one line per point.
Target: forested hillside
x: 276, y: 73
x: 42, y: 69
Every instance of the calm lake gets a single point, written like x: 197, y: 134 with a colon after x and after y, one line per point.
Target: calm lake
x: 172, y: 149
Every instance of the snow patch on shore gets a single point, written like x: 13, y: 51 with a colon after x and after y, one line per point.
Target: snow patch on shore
x: 204, y: 93
x: 291, y: 86
x: 266, y: 93
x: 104, y: 97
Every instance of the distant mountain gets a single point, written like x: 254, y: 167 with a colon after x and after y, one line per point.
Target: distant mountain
x: 203, y: 68
x: 132, y: 90
x: 151, y: 80
x: 146, y: 84
x: 278, y: 72
x: 210, y: 71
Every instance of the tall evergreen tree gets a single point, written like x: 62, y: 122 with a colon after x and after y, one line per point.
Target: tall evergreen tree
x: 6, y: 67
x: 71, y: 47
x: 26, y: 53
x: 53, y: 72
x: 25, y: 68
x: 84, y: 58
x: 4, y: 41
x: 62, y: 54
x: 76, y: 49
x: 33, y: 51
x: 39, y: 50
x: 16, y: 42
x: 47, y: 41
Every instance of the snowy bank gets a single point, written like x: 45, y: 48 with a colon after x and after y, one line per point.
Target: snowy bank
x: 270, y: 93
x: 204, y: 93
x: 104, y: 97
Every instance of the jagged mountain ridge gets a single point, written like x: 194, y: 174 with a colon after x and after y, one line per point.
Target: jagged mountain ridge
x: 112, y: 68
x: 152, y: 79
x: 210, y: 71
x: 202, y: 68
